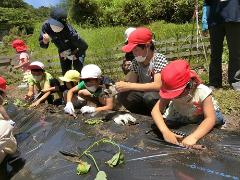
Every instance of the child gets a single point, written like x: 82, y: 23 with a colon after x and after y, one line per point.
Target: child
x: 91, y: 88
x: 187, y: 101
x: 139, y: 92
x: 70, y: 79
x: 8, y: 144
x: 127, y: 62
x: 40, y: 80
x: 23, y: 60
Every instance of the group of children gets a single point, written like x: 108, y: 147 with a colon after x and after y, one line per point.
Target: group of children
x: 182, y: 97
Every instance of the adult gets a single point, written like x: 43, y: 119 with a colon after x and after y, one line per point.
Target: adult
x: 140, y: 90
x: 223, y: 19
x: 71, y: 47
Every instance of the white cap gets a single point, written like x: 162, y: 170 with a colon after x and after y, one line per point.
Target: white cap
x: 128, y: 32
x: 90, y: 71
x: 36, y: 65
x: 24, y: 55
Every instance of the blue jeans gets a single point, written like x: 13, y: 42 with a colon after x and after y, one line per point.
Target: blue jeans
x: 185, y: 120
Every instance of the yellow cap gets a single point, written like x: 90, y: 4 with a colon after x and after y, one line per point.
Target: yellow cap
x: 71, y: 75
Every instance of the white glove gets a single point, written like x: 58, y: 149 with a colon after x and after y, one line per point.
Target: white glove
x: 69, y: 108
x: 65, y: 53
x: 124, y: 119
x: 71, y: 57
x: 12, y: 122
x: 87, y: 109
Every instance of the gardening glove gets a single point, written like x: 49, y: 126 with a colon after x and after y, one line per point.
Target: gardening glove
x: 69, y: 108
x: 124, y: 119
x: 87, y: 109
x: 71, y: 57
x: 12, y: 122
x: 65, y: 54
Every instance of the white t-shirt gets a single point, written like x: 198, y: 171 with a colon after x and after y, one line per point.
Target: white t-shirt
x: 184, y: 107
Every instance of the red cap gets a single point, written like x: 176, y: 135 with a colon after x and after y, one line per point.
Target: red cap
x: 141, y: 35
x: 19, y: 45
x: 175, y: 77
x: 3, y: 85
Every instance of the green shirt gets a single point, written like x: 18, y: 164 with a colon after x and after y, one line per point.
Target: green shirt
x: 45, y: 81
x: 81, y: 85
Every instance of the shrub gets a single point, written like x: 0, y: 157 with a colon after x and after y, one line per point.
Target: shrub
x: 85, y: 12
x: 183, y: 11
x: 130, y: 12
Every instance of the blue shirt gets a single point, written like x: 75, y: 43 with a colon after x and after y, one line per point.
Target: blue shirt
x: 222, y: 11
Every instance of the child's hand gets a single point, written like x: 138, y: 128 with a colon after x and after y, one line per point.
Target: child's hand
x: 122, y: 86
x: 45, y: 90
x: 35, y: 104
x: 28, y: 97
x: 172, y: 137
x: 189, y: 141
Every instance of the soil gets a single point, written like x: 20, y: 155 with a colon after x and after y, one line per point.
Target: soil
x: 232, y: 122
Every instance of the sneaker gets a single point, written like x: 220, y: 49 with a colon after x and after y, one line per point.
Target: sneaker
x: 23, y: 86
x: 236, y: 86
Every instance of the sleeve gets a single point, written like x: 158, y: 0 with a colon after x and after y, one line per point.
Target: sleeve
x: 205, y: 14
x: 134, y: 66
x: 30, y: 80
x: 81, y: 85
x: 160, y: 61
x: 77, y: 41
x: 203, y: 92
x: 40, y: 39
x: 48, y: 80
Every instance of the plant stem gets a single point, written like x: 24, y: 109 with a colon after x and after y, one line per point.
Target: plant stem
x: 91, y: 156
x: 99, y: 142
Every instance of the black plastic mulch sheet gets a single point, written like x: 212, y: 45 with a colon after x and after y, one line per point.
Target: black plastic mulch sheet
x: 147, y: 156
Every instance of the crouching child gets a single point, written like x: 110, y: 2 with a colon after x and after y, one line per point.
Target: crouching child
x: 185, y: 100
x: 38, y: 81
x: 94, y: 88
x: 8, y: 144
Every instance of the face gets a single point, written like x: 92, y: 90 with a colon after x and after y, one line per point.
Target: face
x: 37, y: 74
x: 138, y: 51
x: 183, y: 94
x: 71, y: 84
x: 91, y: 82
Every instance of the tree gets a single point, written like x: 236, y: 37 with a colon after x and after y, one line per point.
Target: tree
x: 13, y: 4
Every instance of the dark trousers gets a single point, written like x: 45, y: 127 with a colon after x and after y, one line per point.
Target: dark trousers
x: 66, y: 64
x: 138, y: 102
x: 217, y: 33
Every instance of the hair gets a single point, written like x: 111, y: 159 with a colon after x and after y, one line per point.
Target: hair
x: 152, y: 46
x: 54, y: 82
x: 38, y: 70
x: 1, y: 93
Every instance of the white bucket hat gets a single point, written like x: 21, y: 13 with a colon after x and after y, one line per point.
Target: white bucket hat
x: 91, y: 71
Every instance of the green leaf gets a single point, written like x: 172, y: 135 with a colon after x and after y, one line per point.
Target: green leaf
x: 101, y: 175
x: 83, y: 168
x: 19, y: 103
x: 117, y: 159
x: 93, y: 121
